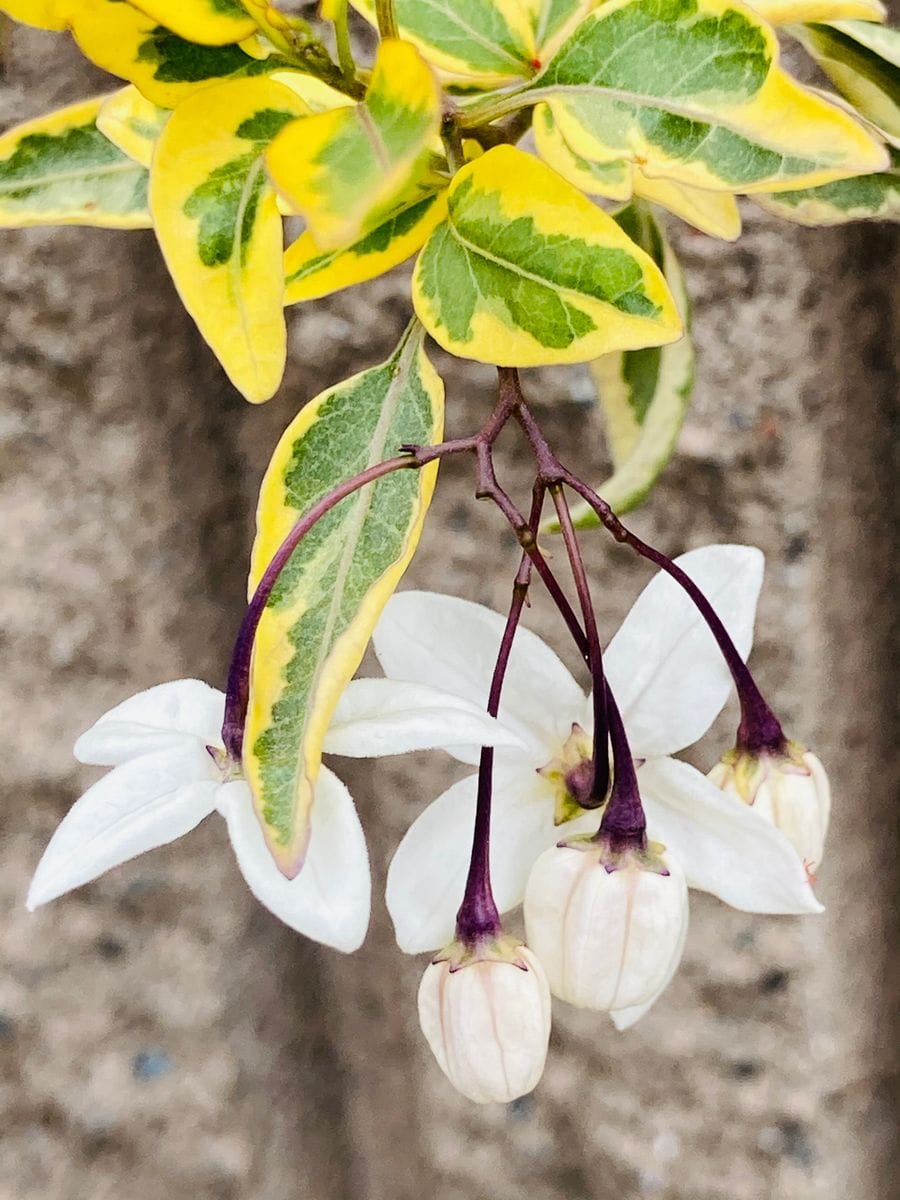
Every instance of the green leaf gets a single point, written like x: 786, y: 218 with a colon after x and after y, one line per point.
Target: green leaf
x: 644, y: 394
x: 863, y: 62
x: 60, y: 170
x: 690, y: 90
x: 865, y: 198
x: 319, y: 618
x: 526, y: 270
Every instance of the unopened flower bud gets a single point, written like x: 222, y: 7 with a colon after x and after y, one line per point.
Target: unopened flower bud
x: 789, y: 788
x: 608, y: 925
x: 485, y: 1012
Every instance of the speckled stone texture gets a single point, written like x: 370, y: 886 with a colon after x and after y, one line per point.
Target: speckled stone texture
x: 163, y: 1038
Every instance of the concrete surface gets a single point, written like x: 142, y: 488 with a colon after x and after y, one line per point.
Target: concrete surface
x: 164, y: 1038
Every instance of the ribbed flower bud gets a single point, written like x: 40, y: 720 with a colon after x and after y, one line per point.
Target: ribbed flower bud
x: 485, y: 1013
x: 789, y: 788
x: 608, y: 925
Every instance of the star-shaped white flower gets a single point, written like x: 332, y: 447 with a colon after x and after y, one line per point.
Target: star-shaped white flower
x: 170, y: 771
x: 670, y: 682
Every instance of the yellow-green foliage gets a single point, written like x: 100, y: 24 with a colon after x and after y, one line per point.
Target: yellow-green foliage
x: 225, y: 117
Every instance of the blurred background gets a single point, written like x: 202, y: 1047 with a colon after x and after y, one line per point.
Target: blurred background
x: 162, y: 1037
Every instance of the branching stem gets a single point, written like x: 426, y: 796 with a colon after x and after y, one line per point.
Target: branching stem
x: 600, y: 782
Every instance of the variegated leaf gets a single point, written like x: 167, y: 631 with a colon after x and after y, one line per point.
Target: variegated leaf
x: 715, y: 213
x: 863, y: 61
x: 473, y: 42
x: 865, y: 198
x: 133, y: 123
x: 612, y: 179
x: 780, y: 12
x: 60, y: 170
x: 644, y: 394
x: 208, y: 22
x: 217, y: 223
x: 315, y: 628
x: 526, y: 270
x: 42, y: 14
x: 691, y: 90
x: 163, y: 66
x: 311, y: 272
x: 346, y: 169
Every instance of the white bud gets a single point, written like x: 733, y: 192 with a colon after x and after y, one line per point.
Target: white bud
x: 608, y: 926
x: 486, y: 1016
x: 790, y: 789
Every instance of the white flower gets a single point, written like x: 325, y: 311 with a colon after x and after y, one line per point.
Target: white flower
x: 609, y: 928
x: 790, y: 789
x: 486, y: 1016
x: 670, y: 682
x: 170, y: 771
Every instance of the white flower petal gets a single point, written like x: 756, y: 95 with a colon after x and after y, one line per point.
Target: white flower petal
x: 427, y: 876
x: 152, y: 720
x: 137, y: 806
x: 330, y: 900
x: 383, y: 716
x: 664, y: 667
x: 109, y: 743
x: 452, y: 644
x: 723, y: 845
x: 624, y: 1018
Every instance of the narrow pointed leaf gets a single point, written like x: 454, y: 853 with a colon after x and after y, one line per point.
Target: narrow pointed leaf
x: 163, y: 66
x: 483, y: 42
x: 644, y: 394
x: 219, y: 228
x: 320, y: 616
x: 311, y: 272
x: 780, y: 12
x: 863, y: 62
x: 345, y: 170
x: 209, y: 22
x: 865, y: 198
x: 60, y: 170
x: 691, y: 91
x: 526, y: 270
x: 133, y: 123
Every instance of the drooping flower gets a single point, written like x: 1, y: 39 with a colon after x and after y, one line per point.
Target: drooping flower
x: 485, y: 1013
x: 608, y: 926
x: 670, y: 681
x: 170, y: 771
x: 790, y: 788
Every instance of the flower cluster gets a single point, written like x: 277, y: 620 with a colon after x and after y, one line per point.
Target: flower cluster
x: 604, y: 878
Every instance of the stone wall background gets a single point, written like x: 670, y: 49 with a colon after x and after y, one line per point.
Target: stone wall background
x: 160, y: 1035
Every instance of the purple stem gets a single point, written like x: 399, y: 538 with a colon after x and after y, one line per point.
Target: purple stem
x: 238, y: 690
x: 623, y: 823
x: 478, y: 917
x: 759, y: 728
x: 600, y: 764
